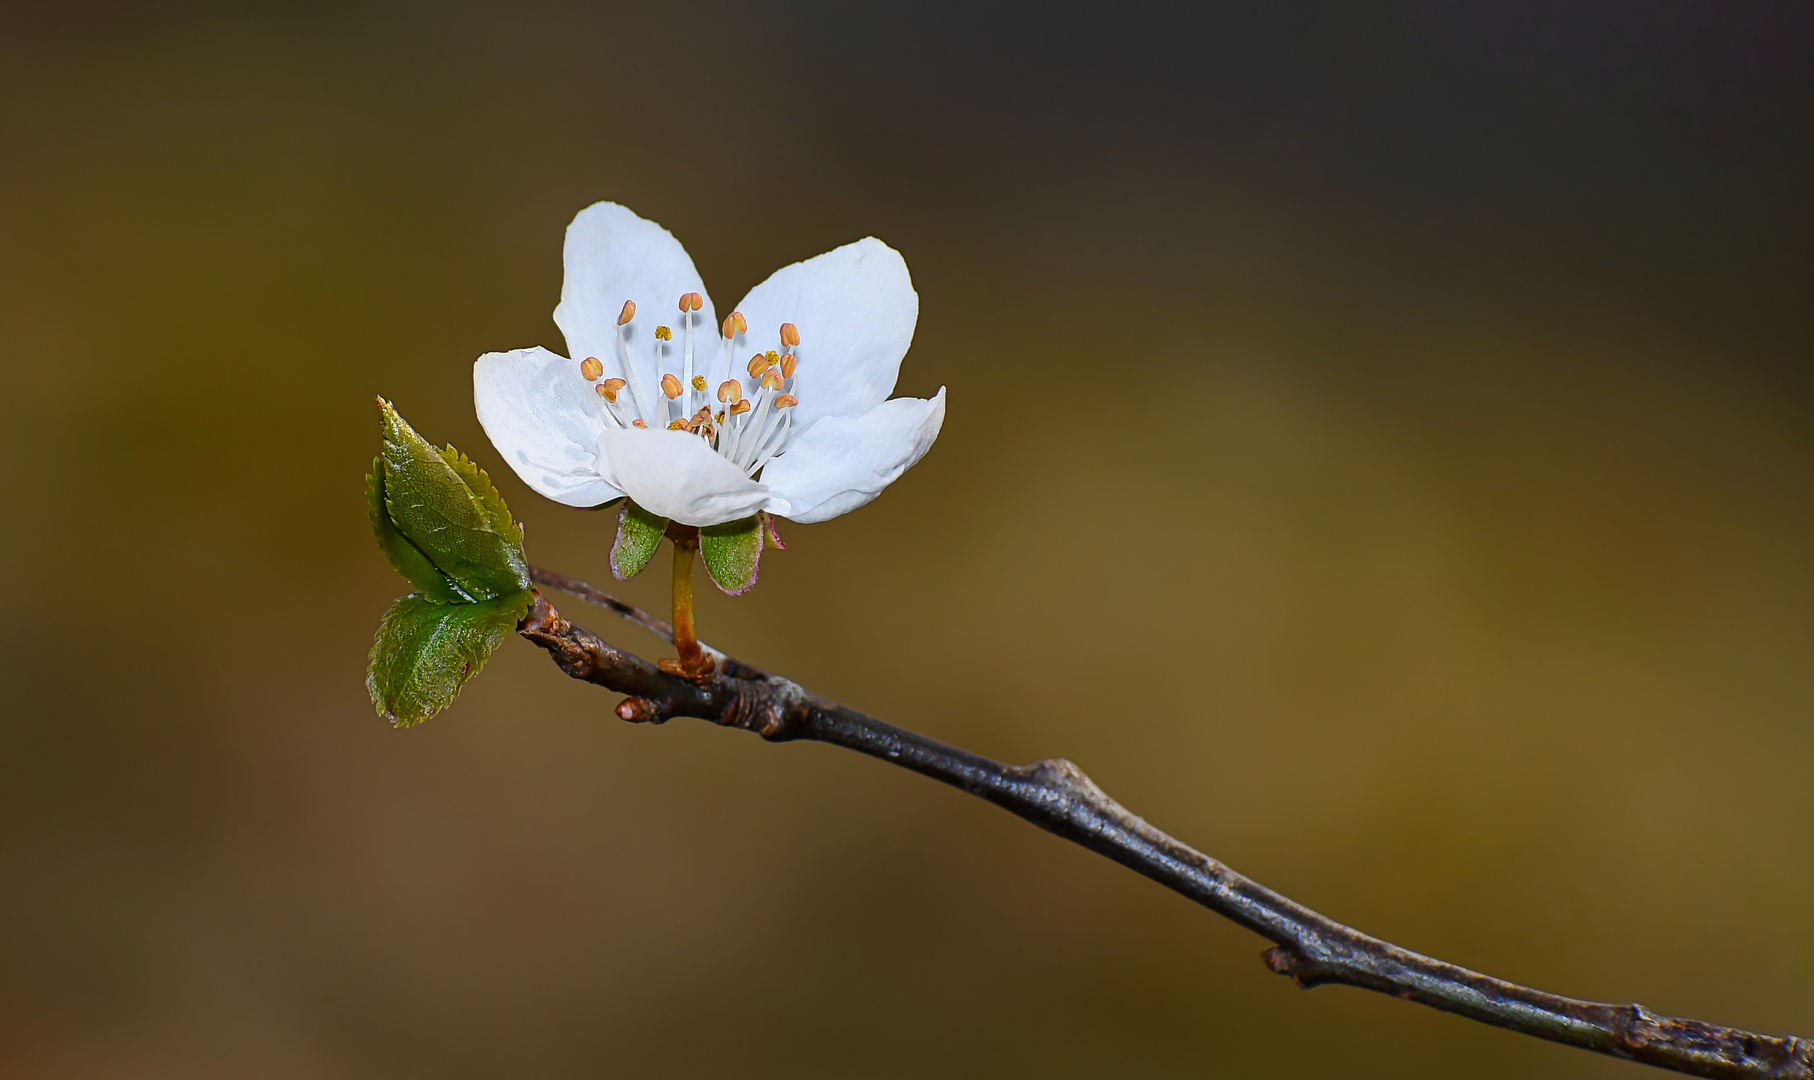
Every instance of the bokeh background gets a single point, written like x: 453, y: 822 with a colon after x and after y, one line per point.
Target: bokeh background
x: 1379, y: 452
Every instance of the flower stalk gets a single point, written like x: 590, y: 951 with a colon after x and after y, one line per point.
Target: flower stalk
x: 693, y: 663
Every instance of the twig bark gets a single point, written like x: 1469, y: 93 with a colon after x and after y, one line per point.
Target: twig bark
x: 1057, y: 796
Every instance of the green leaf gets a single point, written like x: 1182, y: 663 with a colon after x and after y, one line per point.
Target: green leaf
x: 639, y: 533
x: 408, y: 559
x: 733, y: 553
x: 445, y: 506
x: 425, y: 652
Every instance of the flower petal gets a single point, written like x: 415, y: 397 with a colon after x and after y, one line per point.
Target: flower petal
x: 676, y: 475
x: 611, y: 255
x: 543, y: 416
x: 855, y: 309
x: 845, y: 461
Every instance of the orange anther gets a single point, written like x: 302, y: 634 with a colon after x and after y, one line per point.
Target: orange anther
x: 678, y: 425
x: 591, y: 369
x: 758, y: 365
x: 694, y: 301
x: 670, y: 386
x: 730, y: 390
x: 772, y: 379
x: 662, y: 333
x: 638, y: 423
x: 628, y: 313
x: 788, y: 364
x: 605, y: 391
x: 786, y: 401
x: 790, y: 334
x: 741, y: 407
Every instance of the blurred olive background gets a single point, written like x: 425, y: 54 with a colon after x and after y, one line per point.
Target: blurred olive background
x: 1379, y: 452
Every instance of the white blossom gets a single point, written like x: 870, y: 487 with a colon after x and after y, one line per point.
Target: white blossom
x: 782, y: 406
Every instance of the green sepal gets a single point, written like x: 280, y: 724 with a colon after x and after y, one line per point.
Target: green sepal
x: 446, y: 507
x: 732, y: 553
x: 639, y: 534
x: 406, y: 557
x: 425, y: 652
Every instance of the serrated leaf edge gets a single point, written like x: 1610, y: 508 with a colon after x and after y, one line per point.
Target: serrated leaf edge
x: 378, y: 514
x: 371, y: 660
x: 478, y: 485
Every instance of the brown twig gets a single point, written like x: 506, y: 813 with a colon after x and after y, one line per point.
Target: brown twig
x: 1058, y: 797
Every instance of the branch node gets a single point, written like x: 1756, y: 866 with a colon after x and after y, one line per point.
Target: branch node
x: 1287, y: 960
x: 636, y: 710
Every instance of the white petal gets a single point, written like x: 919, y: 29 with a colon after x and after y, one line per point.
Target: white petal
x: 611, y: 255
x: 543, y: 416
x: 855, y: 308
x: 845, y: 461
x: 676, y: 475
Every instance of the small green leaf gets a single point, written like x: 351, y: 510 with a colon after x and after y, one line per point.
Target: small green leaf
x: 408, y: 559
x: 425, y: 652
x: 733, y: 553
x: 445, y: 506
x: 639, y: 533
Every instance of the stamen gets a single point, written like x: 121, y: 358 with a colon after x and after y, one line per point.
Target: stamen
x: 732, y: 391
x: 764, y: 446
x: 734, y: 324
x: 662, y: 333
x: 670, y: 386
x: 679, y: 425
x: 628, y: 313
x: 590, y: 369
x: 699, y: 383
x: 689, y: 303
x: 757, y: 365
x: 643, y: 405
x: 788, y: 364
x: 612, y: 411
x: 786, y: 401
x: 701, y: 424
x: 756, y: 428
x: 774, y: 445
x: 790, y: 334
x: 638, y: 423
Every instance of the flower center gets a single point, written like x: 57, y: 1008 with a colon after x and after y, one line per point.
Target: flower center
x: 751, y: 425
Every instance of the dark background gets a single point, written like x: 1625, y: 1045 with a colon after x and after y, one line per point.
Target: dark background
x: 1379, y: 451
